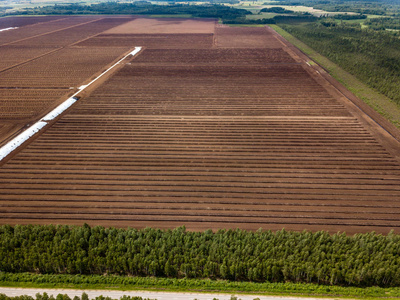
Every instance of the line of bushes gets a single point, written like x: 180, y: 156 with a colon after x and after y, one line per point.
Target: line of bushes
x: 30, y: 280
x: 84, y: 296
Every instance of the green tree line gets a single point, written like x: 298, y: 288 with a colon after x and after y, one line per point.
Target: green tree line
x: 359, y: 260
x: 383, y: 23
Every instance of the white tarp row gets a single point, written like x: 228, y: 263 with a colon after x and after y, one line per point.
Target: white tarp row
x: 31, y: 131
x: 136, y: 51
x: 8, y: 28
x: 20, y: 139
x: 59, y: 109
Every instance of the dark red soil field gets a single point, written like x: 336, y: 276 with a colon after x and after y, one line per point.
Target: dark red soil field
x: 232, y: 133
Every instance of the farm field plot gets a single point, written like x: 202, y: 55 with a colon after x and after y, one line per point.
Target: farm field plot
x: 14, y: 104
x: 219, y: 91
x: 73, y: 34
x: 238, y: 134
x: 158, y: 41
x: 244, y: 37
x: 236, y: 57
x: 43, y: 28
x: 162, y: 33
x: 23, y: 21
x: 165, y: 26
x: 40, y: 65
x: 74, y: 65
x: 13, y: 55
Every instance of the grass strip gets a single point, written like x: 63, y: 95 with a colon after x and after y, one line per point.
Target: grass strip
x: 379, y: 102
x: 126, y: 283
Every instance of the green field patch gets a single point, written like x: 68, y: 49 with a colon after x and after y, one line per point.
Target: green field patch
x: 129, y: 283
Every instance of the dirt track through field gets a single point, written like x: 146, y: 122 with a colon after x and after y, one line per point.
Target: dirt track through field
x: 224, y: 134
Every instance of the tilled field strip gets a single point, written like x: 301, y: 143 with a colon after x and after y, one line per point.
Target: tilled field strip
x: 239, y: 134
x: 35, y: 128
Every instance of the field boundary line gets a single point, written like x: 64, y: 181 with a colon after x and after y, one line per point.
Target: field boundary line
x: 23, y: 137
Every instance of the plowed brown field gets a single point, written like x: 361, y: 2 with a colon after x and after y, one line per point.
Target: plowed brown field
x: 235, y: 130
x: 41, y: 65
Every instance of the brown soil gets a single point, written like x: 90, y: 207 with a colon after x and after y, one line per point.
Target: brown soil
x: 244, y: 37
x: 158, y: 41
x: 164, y: 26
x: 41, y: 66
x: 24, y: 21
x: 240, y: 133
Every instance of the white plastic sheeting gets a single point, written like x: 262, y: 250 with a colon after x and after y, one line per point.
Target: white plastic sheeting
x: 25, y: 135
x: 8, y: 28
x: 59, y: 109
x: 20, y: 139
x: 133, y: 53
x: 136, y: 51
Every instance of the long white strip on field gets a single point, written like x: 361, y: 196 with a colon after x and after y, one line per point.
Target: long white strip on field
x: 35, y: 128
x: 8, y: 28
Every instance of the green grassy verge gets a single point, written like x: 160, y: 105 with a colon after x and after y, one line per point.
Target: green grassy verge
x: 27, y: 280
x: 380, y: 103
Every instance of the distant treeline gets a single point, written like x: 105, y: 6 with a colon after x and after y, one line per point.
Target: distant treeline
x: 208, y: 1
x: 359, y: 260
x: 373, y: 57
x: 140, y: 8
x: 373, y: 7
x: 383, y: 23
x: 277, y: 10
x: 349, y: 17
x: 274, y: 20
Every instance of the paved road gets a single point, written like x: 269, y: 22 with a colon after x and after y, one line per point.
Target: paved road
x: 153, y: 295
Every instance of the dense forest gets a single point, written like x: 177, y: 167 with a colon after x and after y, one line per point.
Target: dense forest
x: 373, y: 57
x: 359, y: 260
